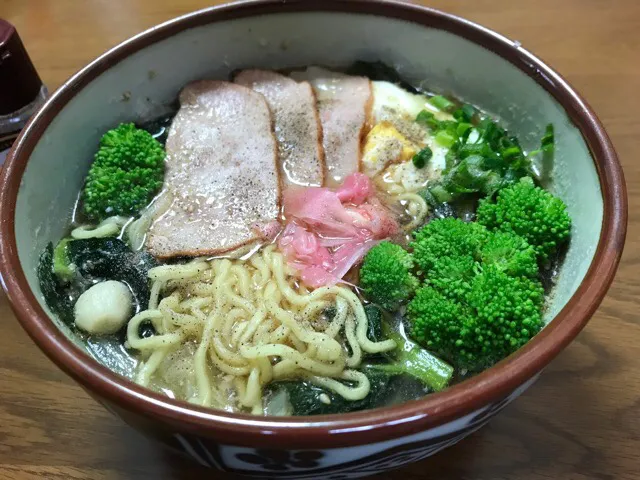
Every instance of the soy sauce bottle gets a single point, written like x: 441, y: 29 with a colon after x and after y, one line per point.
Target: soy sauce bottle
x: 21, y: 90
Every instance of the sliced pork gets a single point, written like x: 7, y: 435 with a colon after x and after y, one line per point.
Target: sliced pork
x: 297, y: 125
x: 221, y: 172
x: 344, y: 104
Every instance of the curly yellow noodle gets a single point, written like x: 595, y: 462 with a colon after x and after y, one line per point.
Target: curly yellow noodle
x: 252, y: 393
x: 178, y: 273
x: 157, y: 341
x: 250, y: 324
x: 313, y: 309
x: 243, y: 281
x: 144, y: 374
x: 356, y: 392
x: 298, y: 344
x: 233, y: 318
x: 342, y: 308
x: 237, y: 332
x: 225, y: 367
x: 107, y: 228
x: 399, y: 193
x: 226, y: 355
x: 279, y: 334
x: 265, y: 368
x: 261, y: 336
x: 200, y: 361
x: 198, y: 319
x: 196, y: 303
x: 262, y: 274
x: 328, y: 348
x: 416, y: 207
x: 361, y: 327
x: 240, y: 302
x: 154, y: 297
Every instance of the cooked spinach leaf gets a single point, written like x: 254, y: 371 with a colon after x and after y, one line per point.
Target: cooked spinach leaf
x: 109, y: 258
x: 56, y: 296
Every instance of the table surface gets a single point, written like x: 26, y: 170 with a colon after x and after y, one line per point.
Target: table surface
x: 580, y: 421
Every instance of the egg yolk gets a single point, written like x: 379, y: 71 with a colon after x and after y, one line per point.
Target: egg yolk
x: 385, y: 144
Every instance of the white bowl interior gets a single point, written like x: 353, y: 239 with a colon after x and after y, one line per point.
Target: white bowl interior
x: 138, y: 87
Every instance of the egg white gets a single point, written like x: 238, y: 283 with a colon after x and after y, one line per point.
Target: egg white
x: 388, y: 96
x: 399, y: 107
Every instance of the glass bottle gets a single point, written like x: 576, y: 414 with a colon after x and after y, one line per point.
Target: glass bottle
x: 21, y: 90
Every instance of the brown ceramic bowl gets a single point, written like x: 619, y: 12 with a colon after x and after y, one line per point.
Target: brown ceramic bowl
x: 51, y: 157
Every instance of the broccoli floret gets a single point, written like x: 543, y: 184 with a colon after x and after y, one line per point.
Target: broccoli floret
x: 500, y: 314
x: 126, y: 173
x: 511, y: 254
x: 437, y: 324
x: 449, y: 252
x: 531, y: 212
x: 481, y: 299
x: 452, y: 276
x: 447, y: 237
x: 385, y: 276
x: 508, y: 313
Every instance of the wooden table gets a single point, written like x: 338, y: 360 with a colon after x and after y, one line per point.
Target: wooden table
x: 580, y: 421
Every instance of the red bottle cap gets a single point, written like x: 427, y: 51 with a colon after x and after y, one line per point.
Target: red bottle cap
x: 19, y: 81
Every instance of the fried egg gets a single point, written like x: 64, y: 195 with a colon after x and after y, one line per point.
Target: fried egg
x: 396, y: 137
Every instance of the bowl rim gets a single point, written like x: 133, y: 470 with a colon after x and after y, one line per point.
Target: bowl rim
x: 342, y: 430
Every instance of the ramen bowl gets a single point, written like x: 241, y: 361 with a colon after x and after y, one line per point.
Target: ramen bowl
x: 140, y: 76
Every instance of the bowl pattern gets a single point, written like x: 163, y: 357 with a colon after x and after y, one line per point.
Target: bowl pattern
x: 328, y: 464
x: 144, y: 74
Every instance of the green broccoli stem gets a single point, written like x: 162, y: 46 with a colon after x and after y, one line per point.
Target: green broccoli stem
x: 417, y: 362
x: 62, y: 265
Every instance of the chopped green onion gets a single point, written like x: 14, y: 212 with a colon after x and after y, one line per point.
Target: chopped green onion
x: 448, y: 125
x: 511, y: 152
x: 451, y: 158
x: 445, y: 138
x: 464, y: 113
x: 424, y: 116
x: 543, y: 159
x: 428, y: 197
x: 441, y: 103
x: 491, y: 133
x: 548, y: 139
x: 421, y: 158
x: 534, y: 153
x: 474, y: 135
x: 440, y: 194
x: 427, y: 119
x: 474, y: 149
x: 482, y: 157
x: 463, y: 128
